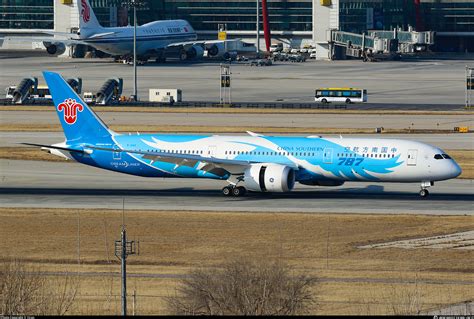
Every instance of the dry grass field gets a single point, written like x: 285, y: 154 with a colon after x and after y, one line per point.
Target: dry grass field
x: 220, y: 129
x: 232, y: 110
x: 352, y: 280
x: 465, y: 158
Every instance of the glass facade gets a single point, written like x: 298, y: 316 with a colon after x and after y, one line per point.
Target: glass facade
x: 289, y: 15
x: 453, y: 16
x: 39, y: 14
x: 360, y: 16
x: 26, y: 14
x: 448, y: 16
x: 434, y: 15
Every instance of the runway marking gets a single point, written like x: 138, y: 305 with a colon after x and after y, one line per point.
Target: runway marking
x: 462, y: 240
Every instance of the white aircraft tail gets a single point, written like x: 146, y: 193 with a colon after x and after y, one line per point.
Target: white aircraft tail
x: 88, y: 23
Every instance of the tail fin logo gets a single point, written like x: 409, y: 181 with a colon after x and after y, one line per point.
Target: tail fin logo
x: 85, y: 12
x: 70, y: 107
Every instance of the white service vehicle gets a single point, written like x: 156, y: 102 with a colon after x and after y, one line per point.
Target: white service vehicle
x: 89, y: 97
x: 9, y: 92
x: 276, y: 47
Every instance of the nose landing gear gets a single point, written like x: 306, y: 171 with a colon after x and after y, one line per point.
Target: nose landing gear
x: 424, y: 192
x: 235, y: 191
x: 424, y: 188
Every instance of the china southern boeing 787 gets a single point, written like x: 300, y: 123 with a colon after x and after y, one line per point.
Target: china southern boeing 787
x: 247, y: 162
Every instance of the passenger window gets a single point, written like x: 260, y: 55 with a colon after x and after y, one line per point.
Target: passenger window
x: 438, y: 156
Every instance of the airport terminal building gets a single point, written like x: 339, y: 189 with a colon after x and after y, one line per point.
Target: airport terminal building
x: 294, y: 22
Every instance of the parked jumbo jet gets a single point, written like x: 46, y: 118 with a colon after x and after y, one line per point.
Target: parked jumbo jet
x: 247, y: 162
x: 152, y: 38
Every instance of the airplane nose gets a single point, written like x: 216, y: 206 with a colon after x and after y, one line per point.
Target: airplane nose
x: 455, y: 170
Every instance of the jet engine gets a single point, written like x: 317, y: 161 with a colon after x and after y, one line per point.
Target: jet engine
x: 269, y: 178
x: 216, y: 49
x: 55, y: 47
x: 195, y: 52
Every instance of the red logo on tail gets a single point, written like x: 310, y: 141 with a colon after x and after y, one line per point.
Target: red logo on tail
x: 85, y: 12
x: 70, y: 108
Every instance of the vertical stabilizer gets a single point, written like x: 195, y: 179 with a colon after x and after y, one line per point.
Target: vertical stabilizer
x: 79, y: 122
x: 88, y: 23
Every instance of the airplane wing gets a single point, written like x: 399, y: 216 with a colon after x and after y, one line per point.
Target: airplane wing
x: 67, y: 42
x: 186, y: 45
x: 68, y: 35
x: 55, y: 33
x: 217, y: 166
x: 201, y: 42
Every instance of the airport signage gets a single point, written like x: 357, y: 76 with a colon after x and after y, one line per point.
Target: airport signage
x: 222, y: 35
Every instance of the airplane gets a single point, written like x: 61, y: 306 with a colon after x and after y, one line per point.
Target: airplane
x: 250, y: 162
x: 153, y: 38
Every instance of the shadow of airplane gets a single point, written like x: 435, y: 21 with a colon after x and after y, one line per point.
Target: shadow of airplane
x: 369, y: 193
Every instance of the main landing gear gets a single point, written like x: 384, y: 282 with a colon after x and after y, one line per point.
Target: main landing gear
x: 235, y: 191
x: 424, y: 188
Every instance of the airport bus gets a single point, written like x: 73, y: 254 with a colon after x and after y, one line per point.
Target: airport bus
x: 346, y: 95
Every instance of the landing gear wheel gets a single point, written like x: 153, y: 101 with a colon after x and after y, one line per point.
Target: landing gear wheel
x: 183, y: 55
x: 424, y: 192
x: 227, y: 191
x: 238, y: 191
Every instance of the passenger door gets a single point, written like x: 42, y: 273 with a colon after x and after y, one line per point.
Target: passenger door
x: 117, y: 156
x: 327, y: 156
x: 411, y: 157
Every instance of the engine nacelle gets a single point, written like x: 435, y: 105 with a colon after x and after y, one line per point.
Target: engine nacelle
x: 269, y: 178
x: 216, y: 49
x: 55, y: 47
x: 195, y: 52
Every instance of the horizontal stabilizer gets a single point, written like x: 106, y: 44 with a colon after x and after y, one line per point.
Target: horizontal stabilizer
x: 98, y: 35
x: 55, y: 147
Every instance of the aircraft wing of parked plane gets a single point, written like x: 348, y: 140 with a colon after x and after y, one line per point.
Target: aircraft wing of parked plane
x: 152, y: 38
x: 247, y: 162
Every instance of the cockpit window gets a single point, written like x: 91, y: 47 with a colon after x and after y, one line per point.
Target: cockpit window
x: 446, y: 156
x: 438, y: 156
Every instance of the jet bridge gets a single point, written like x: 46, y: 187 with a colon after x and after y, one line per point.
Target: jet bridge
x: 383, y: 43
x: 409, y: 41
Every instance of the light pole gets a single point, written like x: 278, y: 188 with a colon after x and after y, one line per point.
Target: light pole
x: 135, y: 94
x: 124, y: 248
x: 135, y: 4
x: 258, y: 28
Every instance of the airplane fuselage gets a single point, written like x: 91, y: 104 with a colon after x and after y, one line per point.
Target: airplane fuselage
x: 150, y: 37
x: 314, y: 159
